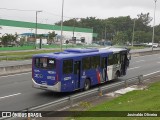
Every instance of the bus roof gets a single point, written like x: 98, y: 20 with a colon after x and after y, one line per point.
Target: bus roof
x: 82, y: 50
x: 115, y: 50
x: 71, y: 53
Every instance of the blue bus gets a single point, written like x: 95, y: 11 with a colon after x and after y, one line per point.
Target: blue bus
x: 75, y: 69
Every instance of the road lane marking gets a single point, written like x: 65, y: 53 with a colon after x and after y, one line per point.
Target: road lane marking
x: 15, y: 75
x: 133, y: 68
x: 9, y: 96
x: 158, y: 62
x: 151, y: 73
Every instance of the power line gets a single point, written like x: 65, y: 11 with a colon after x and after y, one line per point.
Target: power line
x: 22, y: 10
x: 16, y: 9
x: 57, y: 15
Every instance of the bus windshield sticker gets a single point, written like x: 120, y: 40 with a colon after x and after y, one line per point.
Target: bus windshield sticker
x: 51, y: 77
x: 51, y: 72
x: 35, y: 70
x: 67, y: 78
x: 51, y: 61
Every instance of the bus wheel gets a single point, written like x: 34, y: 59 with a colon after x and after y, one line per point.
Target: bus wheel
x: 117, y: 75
x: 87, y: 84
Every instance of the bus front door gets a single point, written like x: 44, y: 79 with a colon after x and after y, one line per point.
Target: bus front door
x: 123, y: 64
x: 77, y: 74
x: 104, y: 69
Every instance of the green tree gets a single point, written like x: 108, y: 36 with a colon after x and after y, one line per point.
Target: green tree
x: 118, y: 29
x: 51, y: 36
x: 8, y: 39
x: 120, y: 38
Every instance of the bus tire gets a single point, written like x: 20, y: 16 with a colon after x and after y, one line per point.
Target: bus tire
x: 87, y: 84
x: 117, y: 75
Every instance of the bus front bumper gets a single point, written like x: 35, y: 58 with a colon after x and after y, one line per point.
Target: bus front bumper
x: 55, y: 88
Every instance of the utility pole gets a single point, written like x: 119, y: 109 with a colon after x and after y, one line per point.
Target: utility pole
x: 154, y: 24
x: 62, y: 25
x: 133, y: 31
x: 36, y: 25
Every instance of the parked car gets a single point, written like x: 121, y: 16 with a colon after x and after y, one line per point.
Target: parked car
x: 155, y: 45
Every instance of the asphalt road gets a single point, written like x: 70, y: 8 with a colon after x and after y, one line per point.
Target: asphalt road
x: 14, y: 63
x: 16, y: 92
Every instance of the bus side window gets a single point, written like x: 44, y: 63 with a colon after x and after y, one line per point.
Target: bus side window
x: 116, y: 58
x: 95, y: 62
x: 67, y: 66
x: 103, y: 62
x: 86, y: 63
x: 110, y: 60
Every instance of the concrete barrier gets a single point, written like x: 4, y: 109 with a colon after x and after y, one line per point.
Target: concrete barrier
x: 15, y: 69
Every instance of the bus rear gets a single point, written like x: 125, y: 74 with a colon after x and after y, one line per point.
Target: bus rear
x: 45, y: 73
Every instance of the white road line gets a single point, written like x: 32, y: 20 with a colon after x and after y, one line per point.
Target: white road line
x: 139, y: 61
x: 158, y: 62
x: 10, y: 96
x: 151, y: 73
x: 133, y: 68
x: 15, y: 74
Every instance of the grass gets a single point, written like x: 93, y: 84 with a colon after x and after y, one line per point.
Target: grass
x: 17, y: 48
x: 139, y: 100
x: 32, y: 47
x: 22, y: 55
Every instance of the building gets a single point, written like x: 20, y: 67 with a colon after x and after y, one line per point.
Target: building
x: 20, y: 27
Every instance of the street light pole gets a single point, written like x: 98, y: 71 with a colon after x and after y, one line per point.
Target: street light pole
x: 73, y: 28
x: 62, y: 25
x: 36, y: 25
x: 154, y: 23
x: 133, y: 31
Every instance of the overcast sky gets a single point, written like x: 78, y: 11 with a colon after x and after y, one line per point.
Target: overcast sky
x: 76, y: 9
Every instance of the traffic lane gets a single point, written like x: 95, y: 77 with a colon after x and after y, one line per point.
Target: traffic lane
x: 18, y: 83
x: 145, y: 58
x: 30, y: 97
x: 27, y: 100
x: 143, y: 65
x: 15, y: 63
x: 16, y: 93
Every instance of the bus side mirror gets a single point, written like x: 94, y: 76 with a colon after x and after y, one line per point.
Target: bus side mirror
x: 130, y: 57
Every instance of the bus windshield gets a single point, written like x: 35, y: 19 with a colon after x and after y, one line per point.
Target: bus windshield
x: 45, y: 63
